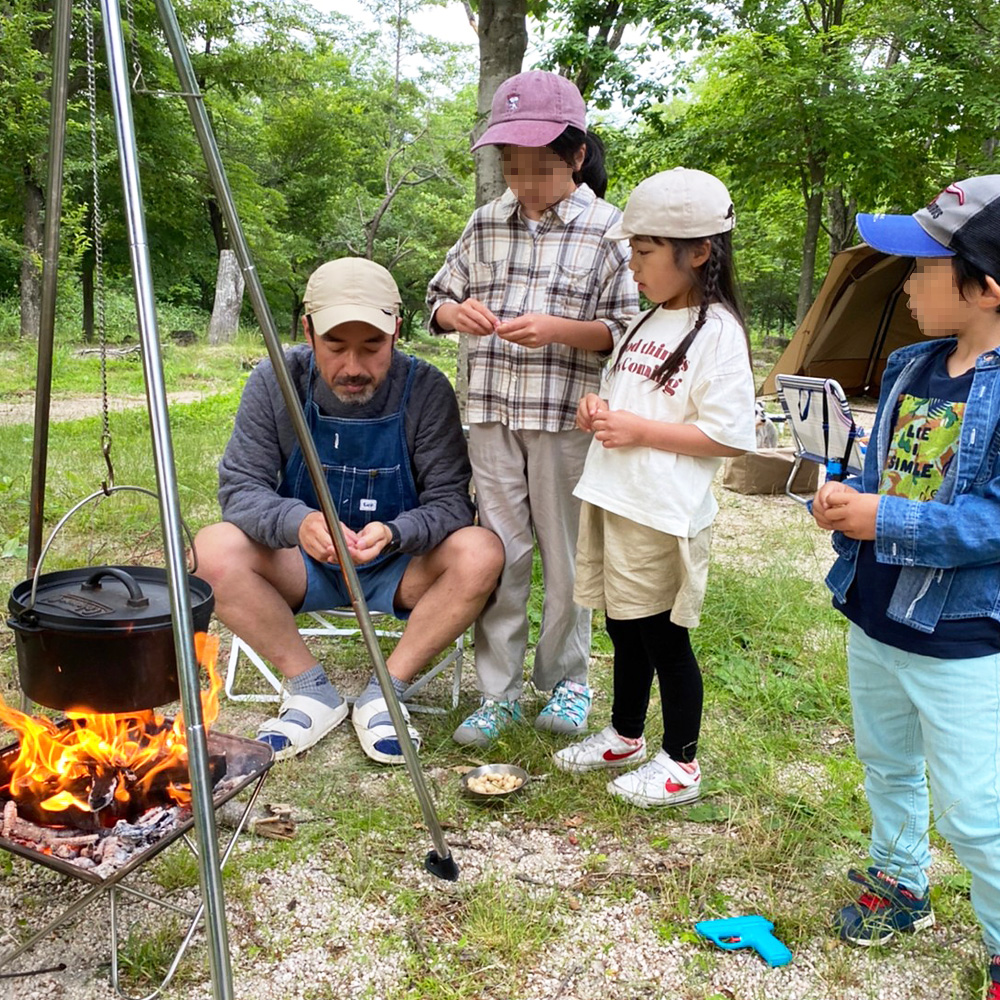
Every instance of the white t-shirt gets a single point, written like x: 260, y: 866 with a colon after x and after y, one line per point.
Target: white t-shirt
x: 714, y: 390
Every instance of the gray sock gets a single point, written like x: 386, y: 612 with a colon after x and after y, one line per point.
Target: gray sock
x: 374, y: 690
x: 315, y: 684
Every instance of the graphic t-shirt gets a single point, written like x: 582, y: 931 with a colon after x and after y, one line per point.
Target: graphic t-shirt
x: 712, y: 390
x: 925, y: 435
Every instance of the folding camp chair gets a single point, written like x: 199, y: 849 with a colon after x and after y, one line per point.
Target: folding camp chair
x: 822, y: 426
x: 331, y: 625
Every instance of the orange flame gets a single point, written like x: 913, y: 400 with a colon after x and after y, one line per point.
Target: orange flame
x: 56, y: 763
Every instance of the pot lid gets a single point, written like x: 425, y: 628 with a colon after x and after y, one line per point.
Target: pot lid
x: 103, y: 597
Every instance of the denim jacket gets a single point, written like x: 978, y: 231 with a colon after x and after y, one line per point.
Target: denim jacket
x: 948, y: 547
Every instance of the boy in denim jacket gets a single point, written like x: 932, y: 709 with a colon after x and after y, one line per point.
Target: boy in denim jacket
x: 918, y: 575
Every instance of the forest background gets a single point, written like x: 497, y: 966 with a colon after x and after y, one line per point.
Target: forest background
x: 350, y: 135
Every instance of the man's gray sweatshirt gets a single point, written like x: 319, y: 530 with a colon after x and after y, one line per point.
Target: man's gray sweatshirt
x: 263, y: 440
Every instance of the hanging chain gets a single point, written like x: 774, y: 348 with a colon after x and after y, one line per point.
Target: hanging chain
x: 138, y: 83
x: 138, y: 80
x: 98, y: 226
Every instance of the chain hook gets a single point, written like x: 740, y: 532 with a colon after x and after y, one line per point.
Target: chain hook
x: 109, y: 484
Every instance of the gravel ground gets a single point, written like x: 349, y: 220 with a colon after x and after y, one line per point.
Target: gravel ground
x: 607, y: 949
x: 303, y: 931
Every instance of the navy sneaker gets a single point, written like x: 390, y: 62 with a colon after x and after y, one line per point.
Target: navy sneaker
x: 993, y: 979
x: 884, y: 908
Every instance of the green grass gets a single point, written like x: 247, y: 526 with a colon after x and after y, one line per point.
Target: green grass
x: 782, y: 815
x: 146, y: 953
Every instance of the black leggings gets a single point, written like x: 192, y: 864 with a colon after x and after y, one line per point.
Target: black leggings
x: 644, y: 646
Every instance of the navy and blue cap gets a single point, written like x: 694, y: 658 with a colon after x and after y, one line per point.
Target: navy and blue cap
x: 964, y: 219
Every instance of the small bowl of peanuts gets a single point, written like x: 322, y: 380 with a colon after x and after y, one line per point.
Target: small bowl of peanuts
x: 493, y: 782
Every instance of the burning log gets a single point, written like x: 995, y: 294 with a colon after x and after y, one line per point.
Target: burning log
x: 92, y: 770
x: 101, y: 796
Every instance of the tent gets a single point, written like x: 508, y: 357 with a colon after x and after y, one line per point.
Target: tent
x: 859, y: 317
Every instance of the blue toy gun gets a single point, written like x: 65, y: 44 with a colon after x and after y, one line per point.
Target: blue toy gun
x: 746, y: 932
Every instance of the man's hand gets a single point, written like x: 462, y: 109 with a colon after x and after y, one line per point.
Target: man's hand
x: 315, y: 538
x: 586, y: 408
x: 370, y: 541
x: 530, y: 330
x: 852, y: 513
x: 470, y: 316
x: 617, y: 428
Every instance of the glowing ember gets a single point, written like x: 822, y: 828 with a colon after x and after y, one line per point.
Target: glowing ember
x: 97, y: 761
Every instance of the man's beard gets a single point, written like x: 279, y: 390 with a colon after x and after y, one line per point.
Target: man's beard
x: 355, y: 398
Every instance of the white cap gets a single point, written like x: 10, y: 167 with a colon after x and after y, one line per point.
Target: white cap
x: 679, y: 203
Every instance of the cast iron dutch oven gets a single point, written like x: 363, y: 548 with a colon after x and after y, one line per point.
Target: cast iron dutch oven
x: 101, y: 639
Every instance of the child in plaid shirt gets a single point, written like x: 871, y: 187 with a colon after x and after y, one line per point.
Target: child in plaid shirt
x: 544, y: 298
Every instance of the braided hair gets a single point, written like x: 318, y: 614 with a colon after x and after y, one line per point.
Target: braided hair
x: 713, y: 281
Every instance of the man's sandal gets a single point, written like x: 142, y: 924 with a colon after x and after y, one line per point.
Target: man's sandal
x: 377, y: 733
x: 303, y: 722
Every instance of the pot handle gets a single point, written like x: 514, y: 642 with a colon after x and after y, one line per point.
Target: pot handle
x: 136, y: 598
x: 93, y: 496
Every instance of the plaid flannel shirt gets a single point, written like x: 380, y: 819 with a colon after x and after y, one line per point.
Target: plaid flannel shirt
x: 565, y: 268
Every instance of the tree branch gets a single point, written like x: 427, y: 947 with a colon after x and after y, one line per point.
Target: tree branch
x: 470, y: 15
x: 805, y: 13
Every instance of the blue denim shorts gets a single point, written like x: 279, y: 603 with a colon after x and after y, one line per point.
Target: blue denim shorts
x: 326, y: 589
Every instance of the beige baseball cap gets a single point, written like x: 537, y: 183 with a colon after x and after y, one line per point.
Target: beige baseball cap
x: 681, y: 203
x: 352, y: 288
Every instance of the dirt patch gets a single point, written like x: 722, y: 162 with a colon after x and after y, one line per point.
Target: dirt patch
x: 78, y: 407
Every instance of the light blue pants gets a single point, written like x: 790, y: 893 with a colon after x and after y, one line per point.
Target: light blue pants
x: 919, y: 716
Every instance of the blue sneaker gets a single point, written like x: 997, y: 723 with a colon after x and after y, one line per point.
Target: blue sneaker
x: 486, y: 722
x: 567, y: 709
x: 883, y: 909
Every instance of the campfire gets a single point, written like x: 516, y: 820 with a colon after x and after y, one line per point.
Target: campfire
x: 92, y: 788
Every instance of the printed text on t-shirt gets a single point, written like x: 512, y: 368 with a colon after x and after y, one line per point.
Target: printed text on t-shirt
x: 629, y: 361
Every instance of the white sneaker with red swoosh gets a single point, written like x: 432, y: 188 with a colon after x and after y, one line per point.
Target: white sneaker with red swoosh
x: 661, y: 781
x: 603, y: 749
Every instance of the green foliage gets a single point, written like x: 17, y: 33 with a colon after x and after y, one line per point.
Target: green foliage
x: 316, y: 128
x: 814, y: 111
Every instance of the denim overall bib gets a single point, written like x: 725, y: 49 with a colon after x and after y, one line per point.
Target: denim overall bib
x: 367, y: 466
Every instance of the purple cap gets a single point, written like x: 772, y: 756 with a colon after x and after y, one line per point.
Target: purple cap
x: 963, y: 219
x: 532, y: 109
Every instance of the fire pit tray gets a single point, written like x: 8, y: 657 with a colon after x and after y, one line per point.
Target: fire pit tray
x: 246, y: 760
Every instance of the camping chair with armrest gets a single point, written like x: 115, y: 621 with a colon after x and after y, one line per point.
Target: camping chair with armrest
x: 822, y: 427
x: 332, y: 625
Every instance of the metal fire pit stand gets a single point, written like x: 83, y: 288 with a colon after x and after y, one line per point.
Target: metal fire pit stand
x: 439, y: 861
x: 258, y: 758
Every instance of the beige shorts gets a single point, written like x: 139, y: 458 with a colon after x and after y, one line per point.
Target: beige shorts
x: 633, y: 571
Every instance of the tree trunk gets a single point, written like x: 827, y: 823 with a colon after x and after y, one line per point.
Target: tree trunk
x: 31, y: 271
x: 297, y: 306
x: 503, y: 38
x: 840, y: 220
x: 814, y: 213
x: 228, y: 300
x: 87, y: 285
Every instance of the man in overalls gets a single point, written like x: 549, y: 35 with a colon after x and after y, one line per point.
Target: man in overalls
x: 388, y: 432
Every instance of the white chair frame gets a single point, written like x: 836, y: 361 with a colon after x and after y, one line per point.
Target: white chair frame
x: 822, y: 427
x: 330, y: 625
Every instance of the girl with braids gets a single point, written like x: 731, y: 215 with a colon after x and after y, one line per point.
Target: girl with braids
x: 543, y: 297
x: 677, y: 396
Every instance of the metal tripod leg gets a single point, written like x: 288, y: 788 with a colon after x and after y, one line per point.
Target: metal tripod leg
x: 194, y: 917
x: 50, y: 275
x: 439, y: 862
x: 170, y: 519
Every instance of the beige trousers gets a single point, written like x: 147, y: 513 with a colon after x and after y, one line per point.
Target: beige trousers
x: 524, y: 488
